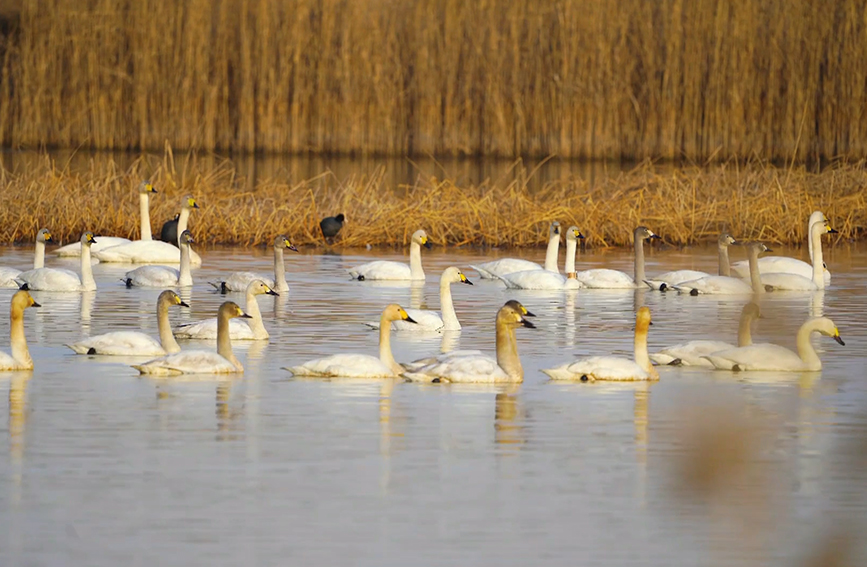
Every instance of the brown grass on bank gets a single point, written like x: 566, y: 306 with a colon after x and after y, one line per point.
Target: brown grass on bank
x: 777, y: 79
x: 684, y: 206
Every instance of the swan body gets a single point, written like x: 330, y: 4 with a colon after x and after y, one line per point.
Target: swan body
x: 497, y: 268
x: 613, y: 368
x: 668, y: 280
x: 479, y: 368
x: 795, y: 282
x: 56, y: 279
x: 388, y: 270
x: 775, y: 357
x: 252, y: 329
x: 727, y: 285
x: 164, y: 276
x: 19, y: 359
x: 545, y: 279
x: 603, y: 278
x: 145, y: 189
x: 360, y: 365
x: 239, y: 281
x: 201, y: 361
x: 153, y: 251
x: 9, y: 275
x: 692, y: 353
x: 134, y: 343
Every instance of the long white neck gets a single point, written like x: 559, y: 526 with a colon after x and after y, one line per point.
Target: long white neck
x: 552, y: 253
x: 745, y: 333
x: 167, y: 338
x: 639, y: 260
x: 571, y: 249
x: 724, y: 267
x: 144, y: 206
x: 450, y: 318
x: 805, y: 347
x: 755, y: 274
x: 385, y: 345
x: 184, y: 277
x: 183, y: 220
x: 256, y: 324
x: 818, y: 257
x: 39, y: 255
x: 642, y: 358
x: 87, y: 281
x: 815, y: 217
x: 17, y: 340
x: 224, y: 341
x: 507, y: 352
x: 415, y: 270
x: 280, y: 284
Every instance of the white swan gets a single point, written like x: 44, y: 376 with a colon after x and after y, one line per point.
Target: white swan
x: 252, y: 329
x: 544, y: 279
x: 775, y: 357
x: 478, y: 368
x: 360, y: 365
x: 664, y: 282
x: 425, y: 320
x: 8, y: 275
x: 779, y: 281
x: 613, y: 368
x: 727, y: 285
x: 603, y: 278
x: 134, y: 343
x: 496, y: 268
x: 20, y: 357
x: 145, y: 188
x: 239, y: 281
x: 56, y: 279
x: 387, y: 270
x: 692, y: 353
x: 164, y: 276
x: 201, y: 361
x: 153, y: 251
x: 784, y: 264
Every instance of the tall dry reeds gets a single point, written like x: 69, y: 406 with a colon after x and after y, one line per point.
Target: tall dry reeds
x: 774, y: 79
x: 684, y: 205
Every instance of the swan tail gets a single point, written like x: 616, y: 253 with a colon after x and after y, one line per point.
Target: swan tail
x: 720, y: 363
x: 483, y: 273
x: 371, y: 324
x: 663, y: 359
x: 657, y: 285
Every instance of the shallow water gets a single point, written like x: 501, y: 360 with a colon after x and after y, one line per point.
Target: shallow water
x: 102, y: 467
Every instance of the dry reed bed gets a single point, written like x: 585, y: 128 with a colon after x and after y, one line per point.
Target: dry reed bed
x: 777, y: 79
x: 685, y: 206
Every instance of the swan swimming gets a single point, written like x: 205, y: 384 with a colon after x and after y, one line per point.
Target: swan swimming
x: 727, y: 285
x: 780, y: 281
x: 545, y: 279
x: 360, y: 365
x: 666, y: 281
x: 472, y: 367
x: 57, y: 279
x: 164, y: 276
x: 252, y: 329
x: 239, y: 281
x: 20, y: 355
x: 496, y: 268
x: 134, y: 343
x: 201, y: 361
x: 615, y: 368
x: 388, y: 270
x: 8, y: 275
x: 603, y: 278
x: 775, y: 357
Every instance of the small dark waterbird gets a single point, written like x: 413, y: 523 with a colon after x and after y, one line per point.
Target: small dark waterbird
x: 330, y: 226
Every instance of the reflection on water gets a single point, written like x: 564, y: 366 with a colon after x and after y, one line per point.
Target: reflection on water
x: 254, y: 469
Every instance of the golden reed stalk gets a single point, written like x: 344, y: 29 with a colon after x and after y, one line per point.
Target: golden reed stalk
x: 683, y: 205
x: 696, y: 79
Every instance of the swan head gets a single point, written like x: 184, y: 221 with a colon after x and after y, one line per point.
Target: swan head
x: 22, y: 300
x: 146, y: 187
x: 643, y: 233
x: 258, y: 287
x: 643, y: 320
x: 43, y: 236
x: 87, y: 238
x: 454, y: 275
x: 758, y: 247
x: 827, y: 327
x: 554, y: 230
x: 189, y: 202
x: 514, y: 314
x: 817, y: 216
x: 283, y: 242
x: 726, y: 239
x: 395, y: 312
x: 822, y: 227
x: 186, y: 238
x: 420, y: 237
x: 230, y: 310
x: 574, y: 234
x: 752, y: 310
x: 171, y: 298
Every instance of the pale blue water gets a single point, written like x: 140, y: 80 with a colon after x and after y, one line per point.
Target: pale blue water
x: 101, y: 467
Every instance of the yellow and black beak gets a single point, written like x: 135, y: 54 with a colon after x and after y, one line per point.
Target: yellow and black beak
x: 528, y: 324
x: 832, y: 230
x: 244, y: 315
x: 272, y: 292
x: 290, y: 246
x: 578, y: 234
x: 33, y: 303
x: 465, y: 280
x: 654, y: 235
x: 183, y: 303
x: 149, y: 188
x: 192, y: 203
x: 838, y: 338
x: 427, y: 243
x: 91, y: 239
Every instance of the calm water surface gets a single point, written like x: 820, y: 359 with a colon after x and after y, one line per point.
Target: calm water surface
x: 102, y: 467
